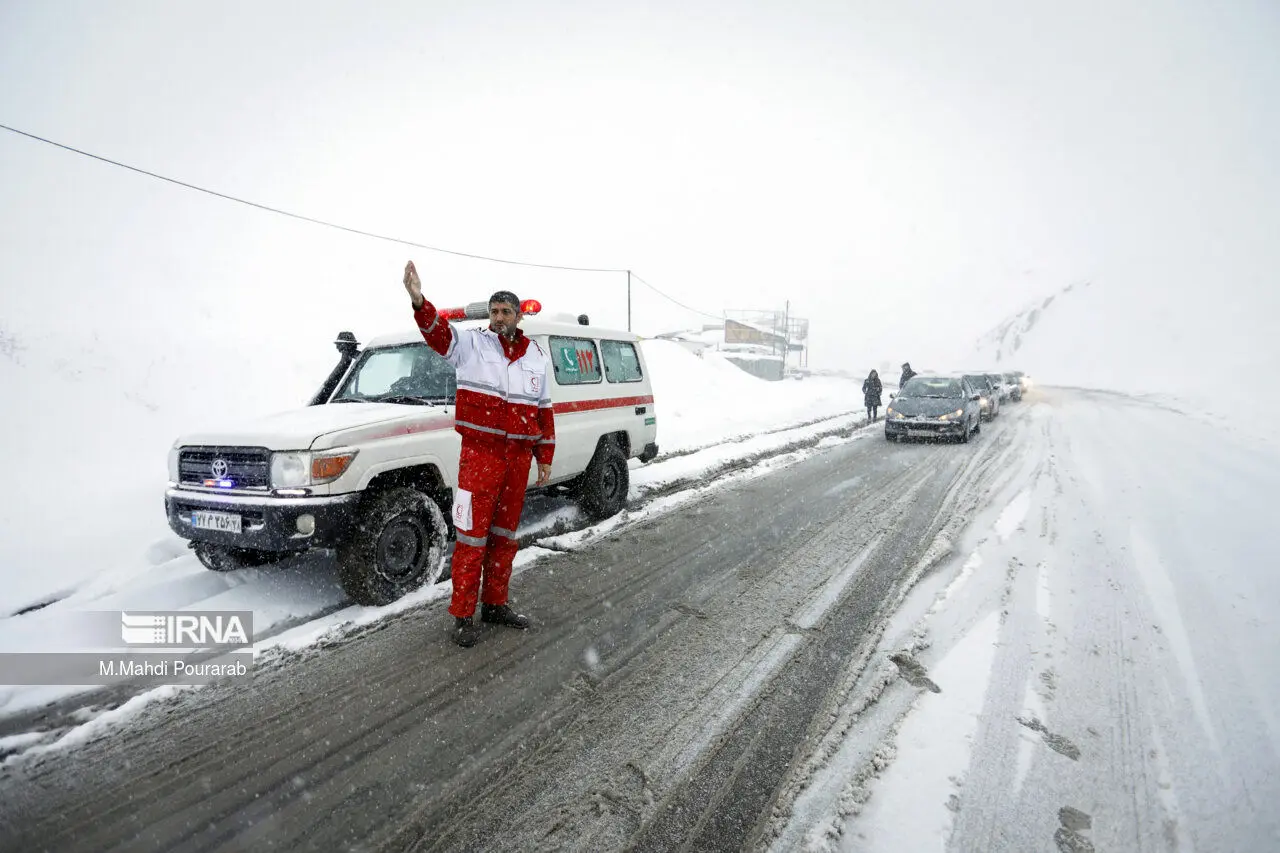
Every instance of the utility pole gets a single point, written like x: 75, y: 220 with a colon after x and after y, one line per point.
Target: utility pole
x: 786, y: 335
x: 628, y: 300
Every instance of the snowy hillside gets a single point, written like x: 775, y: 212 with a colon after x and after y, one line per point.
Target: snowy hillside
x: 1004, y: 341
x: 1110, y: 337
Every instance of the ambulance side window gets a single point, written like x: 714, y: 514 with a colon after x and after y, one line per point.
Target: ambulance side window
x: 575, y: 361
x: 621, y: 364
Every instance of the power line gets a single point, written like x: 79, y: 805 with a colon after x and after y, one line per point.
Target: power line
x: 676, y: 301
x: 344, y: 227
x: 298, y: 215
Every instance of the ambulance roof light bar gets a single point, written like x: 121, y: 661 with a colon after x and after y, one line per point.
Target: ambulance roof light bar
x: 480, y: 310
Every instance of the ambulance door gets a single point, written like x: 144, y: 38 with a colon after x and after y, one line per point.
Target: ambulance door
x: 577, y: 385
x: 629, y: 391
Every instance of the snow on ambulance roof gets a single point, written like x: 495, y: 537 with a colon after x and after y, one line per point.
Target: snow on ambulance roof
x: 531, y: 323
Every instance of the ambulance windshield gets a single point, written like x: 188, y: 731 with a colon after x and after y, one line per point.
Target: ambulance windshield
x: 409, y: 374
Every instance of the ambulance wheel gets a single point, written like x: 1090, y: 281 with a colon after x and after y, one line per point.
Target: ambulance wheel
x: 220, y: 558
x: 396, y: 547
x: 602, y: 492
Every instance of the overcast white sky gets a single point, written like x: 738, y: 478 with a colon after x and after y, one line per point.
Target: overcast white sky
x: 904, y: 172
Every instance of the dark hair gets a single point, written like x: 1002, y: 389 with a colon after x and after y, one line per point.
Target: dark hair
x: 506, y: 296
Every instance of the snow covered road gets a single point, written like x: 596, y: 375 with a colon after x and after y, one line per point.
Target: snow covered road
x: 651, y: 647
x: 1056, y: 637
x: 1104, y: 644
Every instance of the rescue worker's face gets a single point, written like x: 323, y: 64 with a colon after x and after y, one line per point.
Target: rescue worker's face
x: 504, y: 318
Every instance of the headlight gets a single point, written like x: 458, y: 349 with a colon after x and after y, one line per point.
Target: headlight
x: 984, y: 402
x: 327, y: 467
x: 896, y: 414
x: 290, y: 470
x: 173, y: 463
x: 949, y: 415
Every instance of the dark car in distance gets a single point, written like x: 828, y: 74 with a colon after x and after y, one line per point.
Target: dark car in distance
x: 934, y: 407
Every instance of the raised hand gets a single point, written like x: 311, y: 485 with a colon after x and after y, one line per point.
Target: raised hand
x: 413, y: 284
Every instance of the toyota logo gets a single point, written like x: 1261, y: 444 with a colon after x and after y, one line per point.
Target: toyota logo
x: 220, y: 468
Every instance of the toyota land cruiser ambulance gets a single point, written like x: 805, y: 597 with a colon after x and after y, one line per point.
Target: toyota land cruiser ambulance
x: 370, y: 467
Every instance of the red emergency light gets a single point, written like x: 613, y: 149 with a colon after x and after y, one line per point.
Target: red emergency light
x: 480, y: 310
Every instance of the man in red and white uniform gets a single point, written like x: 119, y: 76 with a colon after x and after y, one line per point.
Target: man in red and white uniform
x: 505, y: 419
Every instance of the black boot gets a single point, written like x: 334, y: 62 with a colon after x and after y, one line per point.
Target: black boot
x: 465, y: 632
x: 502, y: 614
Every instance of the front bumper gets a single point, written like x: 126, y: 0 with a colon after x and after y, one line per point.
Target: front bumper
x: 923, y: 429
x: 266, y: 523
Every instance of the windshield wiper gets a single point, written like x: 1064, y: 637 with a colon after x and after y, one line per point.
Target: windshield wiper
x: 406, y: 398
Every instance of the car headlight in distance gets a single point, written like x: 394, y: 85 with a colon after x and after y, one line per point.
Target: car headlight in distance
x: 290, y: 470
x: 327, y: 467
x: 984, y: 402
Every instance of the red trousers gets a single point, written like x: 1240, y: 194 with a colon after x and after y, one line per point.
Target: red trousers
x: 486, y: 512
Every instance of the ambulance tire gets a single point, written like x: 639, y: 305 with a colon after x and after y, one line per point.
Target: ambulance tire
x: 602, y: 492
x: 396, y: 547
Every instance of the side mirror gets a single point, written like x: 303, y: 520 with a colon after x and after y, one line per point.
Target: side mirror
x: 976, y: 397
x: 892, y: 396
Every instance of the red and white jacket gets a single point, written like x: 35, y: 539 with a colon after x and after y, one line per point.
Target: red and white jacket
x: 502, y: 385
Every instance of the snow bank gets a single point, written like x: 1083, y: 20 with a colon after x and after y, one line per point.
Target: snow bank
x: 703, y: 400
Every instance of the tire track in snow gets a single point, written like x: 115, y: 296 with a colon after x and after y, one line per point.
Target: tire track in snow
x: 850, y: 736
x: 1164, y: 601
x: 1110, y: 679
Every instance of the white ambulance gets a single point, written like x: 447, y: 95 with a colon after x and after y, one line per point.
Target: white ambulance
x: 370, y: 467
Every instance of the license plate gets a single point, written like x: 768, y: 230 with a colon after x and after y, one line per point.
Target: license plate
x: 220, y: 521
x: 921, y: 433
